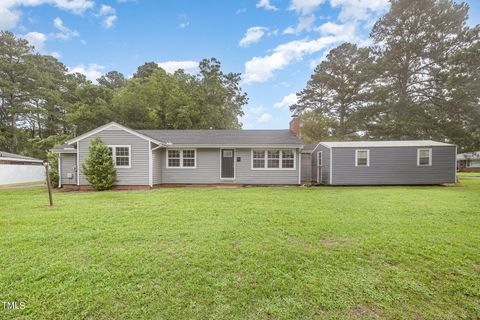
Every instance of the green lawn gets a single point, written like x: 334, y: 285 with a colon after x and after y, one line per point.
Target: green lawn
x: 249, y: 253
x: 468, y: 174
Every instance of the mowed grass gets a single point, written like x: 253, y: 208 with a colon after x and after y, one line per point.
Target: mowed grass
x: 468, y: 174
x: 249, y: 253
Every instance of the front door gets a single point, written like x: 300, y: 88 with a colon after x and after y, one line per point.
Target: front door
x: 228, y: 164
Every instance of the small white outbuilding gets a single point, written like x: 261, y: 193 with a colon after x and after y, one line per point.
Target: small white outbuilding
x: 16, y: 169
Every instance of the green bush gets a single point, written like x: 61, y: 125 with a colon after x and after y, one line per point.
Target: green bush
x: 53, y: 171
x: 98, y: 167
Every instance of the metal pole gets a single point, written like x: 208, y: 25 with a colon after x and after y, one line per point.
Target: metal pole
x: 49, y: 187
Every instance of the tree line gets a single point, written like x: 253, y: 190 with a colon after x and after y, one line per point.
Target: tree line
x: 419, y: 79
x: 42, y: 104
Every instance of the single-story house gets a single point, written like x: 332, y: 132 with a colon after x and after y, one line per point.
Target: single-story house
x: 148, y: 158
x: 468, y: 162
x: 15, y: 169
x: 384, y: 162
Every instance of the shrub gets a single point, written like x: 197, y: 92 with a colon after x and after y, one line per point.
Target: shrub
x: 53, y: 170
x: 98, y: 167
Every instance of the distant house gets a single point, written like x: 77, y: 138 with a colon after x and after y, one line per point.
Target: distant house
x: 15, y: 169
x: 149, y: 158
x: 468, y: 162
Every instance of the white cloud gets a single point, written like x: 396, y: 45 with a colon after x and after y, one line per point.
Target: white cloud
x: 252, y: 35
x: 188, y: 66
x: 8, y: 17
x: 266, y: 5
x: 359, y: 9
x: 64, y: 32
x: 264, y: 117
x: 92, y: 71
x: 305, y: 6
x: 240, y: 11
x: 108, y: 13
x: 10, y: 13
x: 75, y: 6
x: 106, y: 10
x: 304, y: 23
x: 255, y: 110
x: 346, y: 32
x: 260, y: 69
x: 287, y: 101
x: 183, y: 25
x: 108, y: 22
x: 55, y: 54
x: 37, y: 39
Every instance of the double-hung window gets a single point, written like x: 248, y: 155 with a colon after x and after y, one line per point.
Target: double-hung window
x: 258, y: 159
x: 121, y: 156
x: 185, y: 158
x: 362, y: 158
x: 424, y: 157
x: 273, y: 159
x: 288, y: 159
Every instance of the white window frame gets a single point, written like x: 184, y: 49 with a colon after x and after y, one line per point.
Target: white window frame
x: 319, y: 157
x: 279, y: 159
x: 114, y: 155
x: 429, y: 157
x: 356, y: 158
x: 181, y: 158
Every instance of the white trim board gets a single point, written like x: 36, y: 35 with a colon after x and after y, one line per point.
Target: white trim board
x: 236, y: 146
x: 78, y: 163
x: 150, y: 164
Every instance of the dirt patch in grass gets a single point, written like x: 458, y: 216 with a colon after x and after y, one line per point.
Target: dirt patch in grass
x: 363, y: 312
x: 332, y: 243
x: 309, y: 245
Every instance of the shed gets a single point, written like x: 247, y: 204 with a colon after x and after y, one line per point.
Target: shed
x: 406, y: 162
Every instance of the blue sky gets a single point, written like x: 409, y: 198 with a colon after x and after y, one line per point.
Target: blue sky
x: 275, y: 44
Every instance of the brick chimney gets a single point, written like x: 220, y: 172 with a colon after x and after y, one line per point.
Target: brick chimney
x: 295, y: 125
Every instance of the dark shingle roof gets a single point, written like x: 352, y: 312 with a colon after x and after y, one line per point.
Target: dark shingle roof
x: 223, y: 137
x: 308, y: 148
x: 4, y: 154
x: 66, y: 148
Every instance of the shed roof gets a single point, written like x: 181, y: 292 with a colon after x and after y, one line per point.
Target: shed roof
x: 308, y: 148
x: 374, y: 144
x: 64, y: 148
x: 469, y: 155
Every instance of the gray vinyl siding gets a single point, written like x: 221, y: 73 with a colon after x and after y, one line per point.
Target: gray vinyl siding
x: 208, y: 170
x: 324, y: 171
x: 68, y: 163
x: 393, y: 166
x: 306, y: 167
x: 138, y: 173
